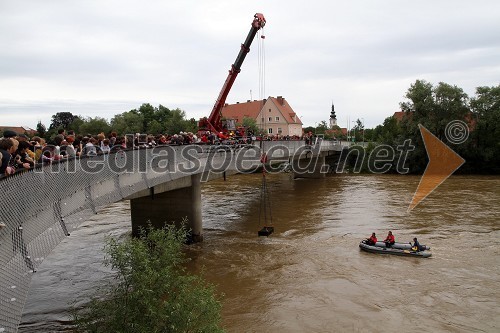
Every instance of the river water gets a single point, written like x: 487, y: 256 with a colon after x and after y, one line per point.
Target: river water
x: 310, y: 276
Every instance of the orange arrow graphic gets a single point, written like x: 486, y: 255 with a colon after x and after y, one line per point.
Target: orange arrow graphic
x: 443, y: 162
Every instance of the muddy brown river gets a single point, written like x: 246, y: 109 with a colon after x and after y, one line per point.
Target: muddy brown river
x: 310, y: 276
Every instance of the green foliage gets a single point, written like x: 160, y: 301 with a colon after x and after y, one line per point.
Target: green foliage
x: 62, y: 120
x: 128, y: 123
x: 309, y: 129
x: 485, y: 141
x: 147, y: 119
x: 388, y: 133
x: 94, y: 126
x: 250, y: 124
x: 155, y: 127
x: 321, y: 128
x: 435, y: 107
x: 176, y: 123
x: 152, y: 291
x: 41, y: 129
x: 191, y: 125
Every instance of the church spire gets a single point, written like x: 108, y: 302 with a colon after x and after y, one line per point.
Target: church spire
x: 332, y: 114
x: 333, y: 117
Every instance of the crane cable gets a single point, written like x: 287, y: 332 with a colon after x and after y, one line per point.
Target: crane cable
x: 265, y: 214
x: 262, y: 64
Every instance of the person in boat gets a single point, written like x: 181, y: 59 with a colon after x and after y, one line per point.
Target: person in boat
x: 372, y: 240
x: 416, y: 245
x: 389, y: 240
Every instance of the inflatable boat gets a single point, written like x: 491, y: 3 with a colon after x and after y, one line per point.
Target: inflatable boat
x: 399, y: 249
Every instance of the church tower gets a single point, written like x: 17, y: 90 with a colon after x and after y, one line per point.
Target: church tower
x: 333, y: 117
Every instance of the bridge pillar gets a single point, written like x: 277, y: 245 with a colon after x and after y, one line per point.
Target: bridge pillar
x: 313, y: 167
x: 170, y: 207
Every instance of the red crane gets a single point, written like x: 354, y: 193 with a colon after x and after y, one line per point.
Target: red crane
x: 214, y: 122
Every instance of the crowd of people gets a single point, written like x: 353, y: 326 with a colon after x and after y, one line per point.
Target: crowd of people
x: 19, y: 152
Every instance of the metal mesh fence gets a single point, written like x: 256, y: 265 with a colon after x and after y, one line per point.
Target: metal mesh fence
x: 41, y: 207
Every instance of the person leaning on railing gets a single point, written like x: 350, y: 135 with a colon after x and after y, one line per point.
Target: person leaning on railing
x: 8, y: 147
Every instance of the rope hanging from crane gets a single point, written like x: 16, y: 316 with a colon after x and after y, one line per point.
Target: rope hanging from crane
x: 265, y: 214
x: 262, y: 64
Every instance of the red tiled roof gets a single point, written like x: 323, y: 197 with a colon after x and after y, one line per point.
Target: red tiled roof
x: 18, y: 129
x: 399, y: 115
x: 342, y: 131
x: 251, y: 109
x: 286, y: 110
x: 242, y: 110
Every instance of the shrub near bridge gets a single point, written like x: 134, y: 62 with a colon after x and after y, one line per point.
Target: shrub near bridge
x: 152, y: 291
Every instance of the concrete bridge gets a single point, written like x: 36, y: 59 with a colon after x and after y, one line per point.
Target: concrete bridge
x: 41, y: 207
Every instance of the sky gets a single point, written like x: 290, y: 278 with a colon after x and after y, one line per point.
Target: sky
x: 99, y: 58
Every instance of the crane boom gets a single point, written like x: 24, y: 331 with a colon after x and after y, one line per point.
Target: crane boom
x: 214, y: 122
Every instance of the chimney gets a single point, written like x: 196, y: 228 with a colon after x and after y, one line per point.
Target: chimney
x: 248, y: 101
x: 237, y: 102
x: 281, y: 100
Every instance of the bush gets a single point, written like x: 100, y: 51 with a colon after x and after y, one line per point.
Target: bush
x: 152, y: 291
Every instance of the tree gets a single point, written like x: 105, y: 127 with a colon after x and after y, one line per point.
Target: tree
x: 41, y: 129
x: 321, y: 128
x: 152, y: 291
x: 177, y: 122
x: 162, y: 114
x: 75, y: 125
x: 250, y: 124
x: 191, y: 125
x: 155, y: 127
x: 485, y: 125
x: 61, y: 120
x: 147, y: 111
x: 94, y: 126
x: 130, y: 122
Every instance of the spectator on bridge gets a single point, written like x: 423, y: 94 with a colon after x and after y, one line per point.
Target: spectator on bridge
x: 90, y: 147
x: 25, y: 138
x: 57, y: 141
x: 100, y: 139
x: 37, y: 144
x: 105, y: 148
x: 70, y: 149
x: 5, y: 146
x: 22, y: 155
x: 15, y: 162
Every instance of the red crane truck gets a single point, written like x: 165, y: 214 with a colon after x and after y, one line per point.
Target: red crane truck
x: 214, y: 122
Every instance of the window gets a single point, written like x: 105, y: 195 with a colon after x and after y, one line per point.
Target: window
x: 269, y: 110
x: 262, y: 120
x: 270, y: 131
x: 277, y: 118
x: 279, y: 130
x: 270, y: 118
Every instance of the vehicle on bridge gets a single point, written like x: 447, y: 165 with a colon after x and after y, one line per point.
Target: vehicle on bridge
x: 214, y: 122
